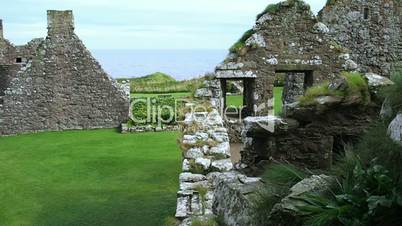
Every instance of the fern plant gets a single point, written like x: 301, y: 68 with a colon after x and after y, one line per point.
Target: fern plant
x: 368, y: 189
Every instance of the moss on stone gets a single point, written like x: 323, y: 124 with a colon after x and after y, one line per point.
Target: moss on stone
x: 242, y: 41
x: 274, y: 8
x: 356, y: 87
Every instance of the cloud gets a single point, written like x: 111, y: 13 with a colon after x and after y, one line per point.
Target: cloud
x: 141, y: 24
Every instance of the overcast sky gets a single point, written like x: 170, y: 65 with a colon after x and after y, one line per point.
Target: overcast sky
x: 139, y: 24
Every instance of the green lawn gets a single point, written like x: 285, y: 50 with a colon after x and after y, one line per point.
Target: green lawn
x: 81, y: 178
x: 237, y: 100
x: 175, y: 95
x: 278, y: 91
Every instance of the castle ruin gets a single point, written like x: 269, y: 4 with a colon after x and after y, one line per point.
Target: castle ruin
x: 55, y: 84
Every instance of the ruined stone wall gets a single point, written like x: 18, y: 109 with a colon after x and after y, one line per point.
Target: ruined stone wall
x: 62, y: 87
x: 289, y: 39
x: 7, y: 50
x: 369, y: 28
x: 310, y: 135
x: 26, y: 52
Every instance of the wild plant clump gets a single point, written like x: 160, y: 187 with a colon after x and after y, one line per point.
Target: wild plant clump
x: 394, y: 93
x: 242, y: 41
x: 356, y: 87
x: 279, y: 178
x: 368, y: 189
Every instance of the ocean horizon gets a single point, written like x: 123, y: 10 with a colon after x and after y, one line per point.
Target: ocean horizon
x: 179, y: 63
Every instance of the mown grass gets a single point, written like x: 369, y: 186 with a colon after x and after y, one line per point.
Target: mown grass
x: 278, y: 92
x: 237, y: 100
x: 234, y: 101
x: 95, y: 177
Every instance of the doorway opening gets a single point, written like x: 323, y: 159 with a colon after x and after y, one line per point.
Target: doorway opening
x: 289, y: 86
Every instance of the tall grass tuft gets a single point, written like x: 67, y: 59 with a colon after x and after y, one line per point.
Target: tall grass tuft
x: 368, y: 189
x: 279, y: 178
x: 394, y: 93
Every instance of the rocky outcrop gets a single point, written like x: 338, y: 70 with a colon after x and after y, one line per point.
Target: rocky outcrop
x: 286, y: 212
x: 395, y: 129
x: 234, y: 196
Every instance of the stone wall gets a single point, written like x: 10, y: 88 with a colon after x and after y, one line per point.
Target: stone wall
x: 7, y: 50
x: 310, y: 135
x: 62, y: 87
x: 206, y: 154
x: 369, y: 28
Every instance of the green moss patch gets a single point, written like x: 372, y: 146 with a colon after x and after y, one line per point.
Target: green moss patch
x: 241, y: 42
x: 356, y: 87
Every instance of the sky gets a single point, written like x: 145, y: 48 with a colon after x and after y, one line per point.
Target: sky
x: 139, y: 24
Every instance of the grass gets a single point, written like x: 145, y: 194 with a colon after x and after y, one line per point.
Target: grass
x: 97, y: 177
x: 356, y: 86
x: 241, y: 42
x: 278, y: 92
x: 394, y: 93
x: 237, y: 100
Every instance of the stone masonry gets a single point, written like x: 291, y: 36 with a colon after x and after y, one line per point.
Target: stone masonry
x: 59, y: 85
x: 371, y: 29
x: 288, y: 40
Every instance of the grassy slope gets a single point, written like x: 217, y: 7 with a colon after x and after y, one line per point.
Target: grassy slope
x: 162, y: 83
x: 88, y: 178
x: 237, y: 100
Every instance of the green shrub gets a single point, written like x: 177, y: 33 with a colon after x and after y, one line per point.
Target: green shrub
x: 369, y: 188
x: 357, y: 85
x: 394, y: 93
x: 271, y: 8
x: 279, y: 178
x: 317, y: 91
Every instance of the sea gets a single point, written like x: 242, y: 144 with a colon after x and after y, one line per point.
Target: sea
x: 180, y: 64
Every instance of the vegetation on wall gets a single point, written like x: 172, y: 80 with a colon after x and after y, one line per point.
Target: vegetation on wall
x: 356, y: 86
x: 274, y: 8
x: 278, y: 178
x: 241, y: 42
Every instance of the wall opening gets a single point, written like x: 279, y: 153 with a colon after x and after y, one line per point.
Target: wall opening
x: 238, y: 97
x: 366, y: 12
x: 234, y: 97
x: 279, y: 84
x: 18, y: 60
x: 289, y: 86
